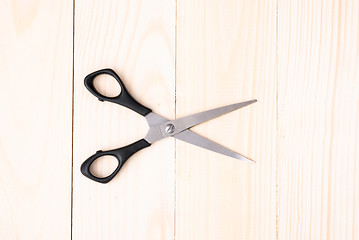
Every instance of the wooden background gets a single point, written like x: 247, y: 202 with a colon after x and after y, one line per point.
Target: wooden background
x: 299, y: 58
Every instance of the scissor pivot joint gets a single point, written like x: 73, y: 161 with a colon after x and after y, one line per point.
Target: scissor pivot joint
x: 170, y: 128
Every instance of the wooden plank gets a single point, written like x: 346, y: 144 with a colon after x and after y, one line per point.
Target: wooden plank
x: 226, y: 54
x: 318, y: 119
x: 35, y: 122
x: 136, y: 39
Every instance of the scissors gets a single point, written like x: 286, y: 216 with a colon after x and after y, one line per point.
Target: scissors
x: 160, y: 127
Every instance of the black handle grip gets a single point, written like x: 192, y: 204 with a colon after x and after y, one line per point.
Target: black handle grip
x: 121, y: 154
x: 124, y: 98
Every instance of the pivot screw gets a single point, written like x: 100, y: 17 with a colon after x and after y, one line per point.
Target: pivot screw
x: 170, y: 128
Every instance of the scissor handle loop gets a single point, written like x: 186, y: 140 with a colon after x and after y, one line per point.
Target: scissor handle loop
x: 121, y: 154
x: 124, y: 98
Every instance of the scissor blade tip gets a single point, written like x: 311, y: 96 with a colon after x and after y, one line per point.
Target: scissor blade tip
x: 247, y: 102
x: 240, y: 157
x: 249, y: 161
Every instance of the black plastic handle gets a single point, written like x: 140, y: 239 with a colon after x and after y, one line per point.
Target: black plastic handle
x: 124, y: 98
x: 121, y: 154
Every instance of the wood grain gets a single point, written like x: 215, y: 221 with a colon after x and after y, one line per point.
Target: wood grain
x: 299, y: 58
x: 226, y: 53
x: 35, y: 121
x: 136, y: 39
x: 318, y: 119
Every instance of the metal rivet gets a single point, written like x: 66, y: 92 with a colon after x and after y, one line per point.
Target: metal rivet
x: 170, y: 128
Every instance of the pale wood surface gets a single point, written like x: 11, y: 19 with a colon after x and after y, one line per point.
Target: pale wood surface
x: 35, y: 119
x: 137, y: 40
x: 318, y: 121
x: 226, y: 54
x: 298, y: 58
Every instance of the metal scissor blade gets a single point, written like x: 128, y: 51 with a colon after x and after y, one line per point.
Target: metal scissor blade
x: 197, y: 118
x: 154, y: 122
x: 195, y: 139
